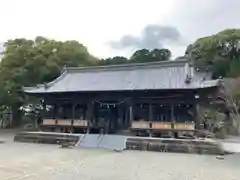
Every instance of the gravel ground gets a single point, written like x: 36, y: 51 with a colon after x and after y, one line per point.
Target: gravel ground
x: 23, y: 161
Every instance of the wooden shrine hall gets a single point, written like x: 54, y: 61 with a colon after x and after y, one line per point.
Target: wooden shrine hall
x: 147, y: 98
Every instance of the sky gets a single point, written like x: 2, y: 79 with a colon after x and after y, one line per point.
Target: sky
x: 119, y: 27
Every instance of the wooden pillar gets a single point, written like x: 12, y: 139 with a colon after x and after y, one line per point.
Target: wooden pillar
x: 150, y: 112
x: 73, y: 117
x: 73, y: 111
x: 44, y: 109
x: 43, y: 114
x: 172, y: 113
x: 55, y: 111
x: 173, y: 120
x: 120, y: 117
x: 196, y: 114
x: 89, y: 114
x: 196, y: 111
x: 150, y: 118
x: 130, y: 114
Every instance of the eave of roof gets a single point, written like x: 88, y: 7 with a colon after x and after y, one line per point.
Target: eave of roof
x: 115, y: 70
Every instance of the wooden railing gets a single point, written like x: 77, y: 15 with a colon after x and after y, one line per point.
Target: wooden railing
x: 80, y: 122
x: 162, y: 125
x: 184, y: 126
x: 140, y: 125
x: 49, y: 122
x: 65, y: 122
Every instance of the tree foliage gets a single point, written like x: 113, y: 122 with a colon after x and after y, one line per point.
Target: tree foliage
x: 114, y: 60
x: 221, y: 50
x: 30, y: 62
x: 139, y: 56
x: 145, y: 55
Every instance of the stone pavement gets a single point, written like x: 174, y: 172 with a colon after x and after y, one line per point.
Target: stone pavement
x: 23, y: 161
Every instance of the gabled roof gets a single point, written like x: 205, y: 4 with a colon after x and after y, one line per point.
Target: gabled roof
x: 143, y: 76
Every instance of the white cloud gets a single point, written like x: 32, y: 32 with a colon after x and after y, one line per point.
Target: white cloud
x: 96, y: 22
x: 92, y: 22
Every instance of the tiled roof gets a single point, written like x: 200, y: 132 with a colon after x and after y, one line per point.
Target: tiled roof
x: 144, y: 76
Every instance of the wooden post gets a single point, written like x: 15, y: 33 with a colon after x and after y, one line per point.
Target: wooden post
x: 73, y: 116
x: 196, y: 113
x: 73, y: 111
x: 43, y: 115
x: 130, y: 114
x: 172, y: 120
x: 89, y: 114
x: 55, y: 111
x: 44, y: 109
x: 172, y: 113
x: 150, y: 112
x: 150, y: 118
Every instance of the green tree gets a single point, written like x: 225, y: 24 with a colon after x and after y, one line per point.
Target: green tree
x: 30, y: 62
x: 139, y: 56
x: 160, y: 54
x: 219, y: 50
x: 144, y: 55
x: 114, y: 60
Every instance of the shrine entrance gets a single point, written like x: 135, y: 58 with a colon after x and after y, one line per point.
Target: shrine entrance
x: 110, y: 116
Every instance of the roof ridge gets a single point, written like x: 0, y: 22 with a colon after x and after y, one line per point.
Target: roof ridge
x: 157, y: 64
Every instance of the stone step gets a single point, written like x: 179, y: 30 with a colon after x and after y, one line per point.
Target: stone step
x: 114, y: 142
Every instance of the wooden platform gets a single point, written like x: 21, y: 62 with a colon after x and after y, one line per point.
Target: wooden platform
x: 132, y: 142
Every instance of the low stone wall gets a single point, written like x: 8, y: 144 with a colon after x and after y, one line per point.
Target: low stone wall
x: 174, y: 145
x: 132, y: 143
x: 46, y: 138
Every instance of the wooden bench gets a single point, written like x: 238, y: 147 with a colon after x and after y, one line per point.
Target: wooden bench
x: 80, y: 123
x: 140, y: 125
x: 49, y: 122
x: 184, y: 126
x: 161, y: 125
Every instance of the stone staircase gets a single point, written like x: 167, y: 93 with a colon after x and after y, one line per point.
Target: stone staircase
x: 113, y: 142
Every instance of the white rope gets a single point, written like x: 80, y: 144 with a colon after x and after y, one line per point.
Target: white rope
x: 109, y: 104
